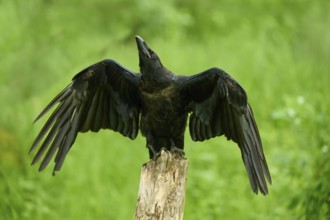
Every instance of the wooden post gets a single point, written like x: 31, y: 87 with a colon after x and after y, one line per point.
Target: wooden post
x: 162, y: 188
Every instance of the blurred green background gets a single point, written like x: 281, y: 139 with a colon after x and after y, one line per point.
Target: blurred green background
x: 279, y: 51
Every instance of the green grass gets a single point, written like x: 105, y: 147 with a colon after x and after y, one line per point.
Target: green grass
x: 279, y: 51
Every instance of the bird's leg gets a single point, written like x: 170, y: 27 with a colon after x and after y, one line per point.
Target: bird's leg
x: 174, y: 149
x: 152, y: 145
x: 153, y: 151
x: 157, y: 153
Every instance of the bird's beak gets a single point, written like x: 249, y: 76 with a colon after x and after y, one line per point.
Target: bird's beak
x: 142, y: 46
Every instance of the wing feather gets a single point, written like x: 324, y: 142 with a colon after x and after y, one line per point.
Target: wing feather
x: 103, y: 95
x: 61, y: 96
x: 219, y: 106
x: 55, y: 144
x: 59, y: 110
x: 91, y: 115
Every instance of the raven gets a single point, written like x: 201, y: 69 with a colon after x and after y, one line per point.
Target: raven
x: 106, y: 95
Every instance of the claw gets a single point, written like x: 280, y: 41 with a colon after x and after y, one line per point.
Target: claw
x: 176, y: 150
x: 152, y: 149
x: 157, y: 154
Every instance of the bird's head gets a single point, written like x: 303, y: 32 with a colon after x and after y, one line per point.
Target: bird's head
x: 149, y: 60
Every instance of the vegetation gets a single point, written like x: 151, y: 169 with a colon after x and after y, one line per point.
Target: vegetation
x: 278, y: 50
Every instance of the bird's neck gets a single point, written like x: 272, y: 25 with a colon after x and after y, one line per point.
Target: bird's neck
x: 157, y: 78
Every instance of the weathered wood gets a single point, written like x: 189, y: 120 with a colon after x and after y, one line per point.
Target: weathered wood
x: 162, y: 188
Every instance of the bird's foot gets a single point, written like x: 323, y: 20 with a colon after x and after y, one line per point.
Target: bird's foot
x: 177, y: 151
x: 157, y: 154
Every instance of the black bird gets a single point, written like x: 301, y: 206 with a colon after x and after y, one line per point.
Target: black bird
x: 158, y: 102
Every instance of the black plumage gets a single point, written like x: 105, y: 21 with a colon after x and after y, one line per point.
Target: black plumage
x: 105, y: 95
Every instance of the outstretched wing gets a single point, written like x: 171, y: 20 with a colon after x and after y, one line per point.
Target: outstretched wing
x: 103, y: 95
x: 220, y: 107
